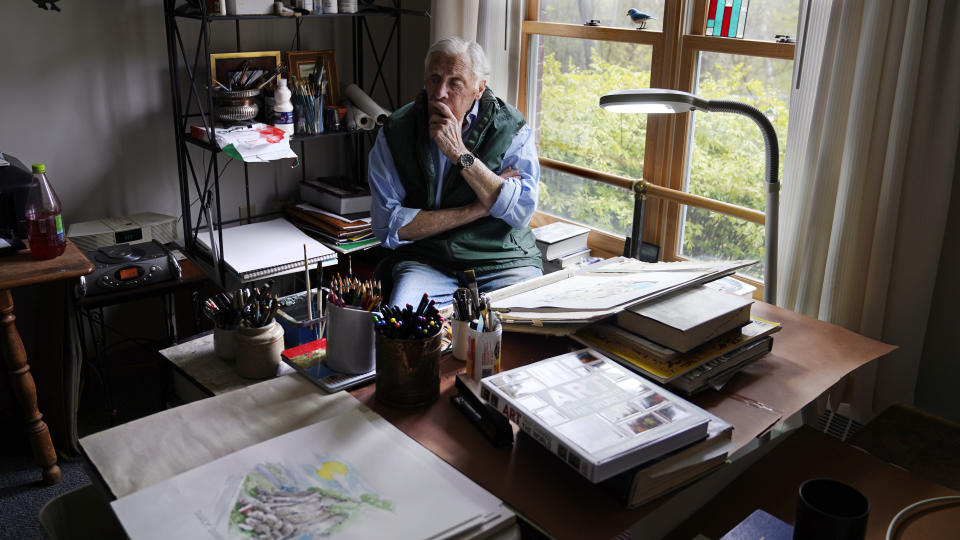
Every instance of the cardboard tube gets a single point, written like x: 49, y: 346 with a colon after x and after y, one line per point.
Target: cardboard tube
x: 366, y: 104
x: 361, y: 119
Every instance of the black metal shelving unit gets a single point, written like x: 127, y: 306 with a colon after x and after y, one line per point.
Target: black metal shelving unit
x: 193, y: 104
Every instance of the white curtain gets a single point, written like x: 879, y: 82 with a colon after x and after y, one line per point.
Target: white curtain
x: 495, y: 25
x: 870, y: 161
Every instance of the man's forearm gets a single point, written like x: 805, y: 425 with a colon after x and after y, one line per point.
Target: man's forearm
x: 484, y: 182
x: 430, y: 222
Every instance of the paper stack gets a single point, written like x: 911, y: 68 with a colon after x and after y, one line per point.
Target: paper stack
x: 341, y: 233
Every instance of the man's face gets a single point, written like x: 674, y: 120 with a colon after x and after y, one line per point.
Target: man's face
x: 450, y: 80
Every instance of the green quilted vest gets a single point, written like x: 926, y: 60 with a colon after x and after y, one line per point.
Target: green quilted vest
x: 485, y: 244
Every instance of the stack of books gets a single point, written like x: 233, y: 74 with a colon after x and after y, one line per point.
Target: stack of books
x: 609, y: 424
x: 562, y: 245
x: 692, y: 340
x: 342, y: 233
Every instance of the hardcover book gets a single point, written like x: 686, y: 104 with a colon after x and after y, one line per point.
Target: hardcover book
x: 650, y: 480
x: 596, y: 416
x: 560, y: 238
x: 608, y: 339
x: 688, y: 318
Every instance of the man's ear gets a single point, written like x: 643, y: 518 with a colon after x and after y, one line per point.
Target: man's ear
x: 481, y: 87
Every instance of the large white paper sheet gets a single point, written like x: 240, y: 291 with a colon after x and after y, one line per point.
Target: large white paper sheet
x: 579, y: 296
x: 342, y: 477
x: 598, y: 291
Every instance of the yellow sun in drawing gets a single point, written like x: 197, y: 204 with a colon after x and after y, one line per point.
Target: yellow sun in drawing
x: 330, y: 468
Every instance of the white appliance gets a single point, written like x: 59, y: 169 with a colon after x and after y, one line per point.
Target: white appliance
x: 132, y: 229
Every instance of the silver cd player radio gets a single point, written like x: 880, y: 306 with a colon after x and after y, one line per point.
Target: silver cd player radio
x: 126, y: 266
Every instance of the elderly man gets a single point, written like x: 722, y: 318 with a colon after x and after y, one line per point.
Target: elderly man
x: 454, y: 181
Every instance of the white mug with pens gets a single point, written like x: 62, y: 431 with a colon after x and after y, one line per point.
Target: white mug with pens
x: 484, y: 335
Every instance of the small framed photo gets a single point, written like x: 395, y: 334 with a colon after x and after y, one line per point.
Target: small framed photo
x: 242, y: 70
x: 302, y: 64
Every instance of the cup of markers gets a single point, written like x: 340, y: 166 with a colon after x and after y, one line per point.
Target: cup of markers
x: 350, y: 342
x: 408, y: 354
x: 483, y: 345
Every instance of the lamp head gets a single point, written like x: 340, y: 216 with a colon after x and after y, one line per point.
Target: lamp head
x: 652, y: 100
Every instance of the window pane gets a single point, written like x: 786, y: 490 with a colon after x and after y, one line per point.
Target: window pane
x: 608, y: 12
x: 767, y: 18
x: 570, y: 125
x: 727, y: 152
x: 605, y: 207
x: 709, y: 236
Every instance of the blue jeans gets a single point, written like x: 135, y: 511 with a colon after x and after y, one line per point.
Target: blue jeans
x: 411, y: 279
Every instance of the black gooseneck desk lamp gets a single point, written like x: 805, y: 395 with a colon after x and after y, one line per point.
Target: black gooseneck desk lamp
x: 657, y: 100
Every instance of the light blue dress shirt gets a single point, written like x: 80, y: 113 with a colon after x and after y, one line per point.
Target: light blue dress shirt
x: 515, y: 204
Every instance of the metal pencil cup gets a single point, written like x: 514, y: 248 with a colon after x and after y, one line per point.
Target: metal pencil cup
x: 408, y: 371
x: 349, y: 340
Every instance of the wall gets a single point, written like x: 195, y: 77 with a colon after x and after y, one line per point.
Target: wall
x: 87, y: 91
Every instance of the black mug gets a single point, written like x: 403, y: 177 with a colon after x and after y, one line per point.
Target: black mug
x: 830, y: 510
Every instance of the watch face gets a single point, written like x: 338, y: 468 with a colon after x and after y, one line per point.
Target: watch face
x: 466, y: 161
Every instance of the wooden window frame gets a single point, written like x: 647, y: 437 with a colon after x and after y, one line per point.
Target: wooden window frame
x: 674, y: 62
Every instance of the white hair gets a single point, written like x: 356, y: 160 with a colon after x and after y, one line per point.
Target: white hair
x: 457, y: 46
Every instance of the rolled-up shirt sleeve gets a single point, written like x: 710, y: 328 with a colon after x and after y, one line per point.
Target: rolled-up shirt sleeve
x: 517, y: 201
x: 387, y: 215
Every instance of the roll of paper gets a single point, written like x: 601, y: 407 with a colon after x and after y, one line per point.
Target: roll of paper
x: 366, y: 104
x: 361, y: 119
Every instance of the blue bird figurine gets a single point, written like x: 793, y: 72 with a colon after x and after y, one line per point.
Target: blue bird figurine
x: 639, y: 18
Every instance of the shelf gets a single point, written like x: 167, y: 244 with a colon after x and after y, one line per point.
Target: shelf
x: 364, y: 13
x: 188, y: 46
x: 329, y: 134
x: 296, y: 138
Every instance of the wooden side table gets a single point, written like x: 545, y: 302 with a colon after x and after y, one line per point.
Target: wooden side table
x: 17, y: 271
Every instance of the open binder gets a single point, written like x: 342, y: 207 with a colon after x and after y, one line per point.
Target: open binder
x: 266, y: 249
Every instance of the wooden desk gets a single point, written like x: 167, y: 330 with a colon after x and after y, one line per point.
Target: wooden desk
x: 808, y: 357
x: 773, y: 482
x: 17, y: 271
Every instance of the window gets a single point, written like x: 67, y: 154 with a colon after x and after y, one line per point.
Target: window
x: 589, y: 155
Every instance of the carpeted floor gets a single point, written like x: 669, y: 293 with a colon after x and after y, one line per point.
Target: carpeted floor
x: 22, y: 494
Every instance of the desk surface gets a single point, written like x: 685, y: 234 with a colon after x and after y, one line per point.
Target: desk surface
x: 773, y: 482
x: 21, y: 269
x: 808, y: 357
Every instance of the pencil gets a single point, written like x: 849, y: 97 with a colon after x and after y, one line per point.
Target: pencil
x: 306, y: 268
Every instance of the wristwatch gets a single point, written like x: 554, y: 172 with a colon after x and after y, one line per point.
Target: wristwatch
x: 466, y: 160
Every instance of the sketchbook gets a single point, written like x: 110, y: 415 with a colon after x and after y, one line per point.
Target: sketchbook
x: 267, y: 248
x: 325, y: 480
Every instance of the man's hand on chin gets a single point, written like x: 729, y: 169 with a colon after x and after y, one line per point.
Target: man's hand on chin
x: 445, y: 131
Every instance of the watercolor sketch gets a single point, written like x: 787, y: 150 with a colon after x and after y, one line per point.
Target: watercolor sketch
x: 310, y: 501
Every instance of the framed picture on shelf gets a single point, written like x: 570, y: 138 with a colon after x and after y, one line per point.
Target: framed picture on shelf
x: 301, y: 64
x: 235, y: 69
